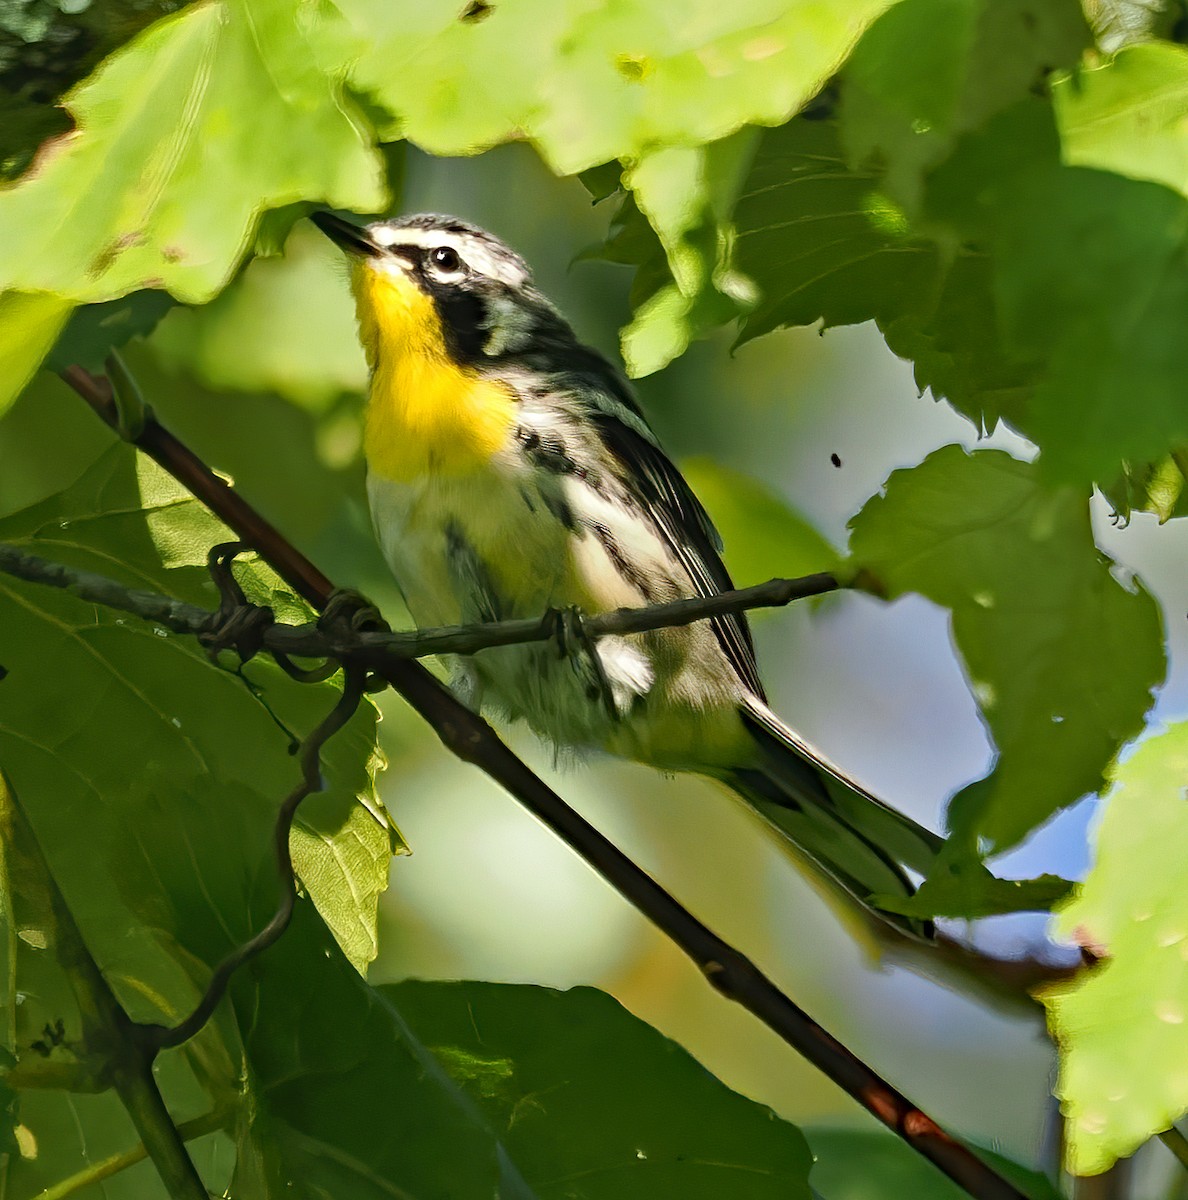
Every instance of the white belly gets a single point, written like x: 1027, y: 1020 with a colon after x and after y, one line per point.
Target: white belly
x: 481, y: 547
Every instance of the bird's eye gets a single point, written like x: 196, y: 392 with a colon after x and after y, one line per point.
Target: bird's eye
x: 445, y: 260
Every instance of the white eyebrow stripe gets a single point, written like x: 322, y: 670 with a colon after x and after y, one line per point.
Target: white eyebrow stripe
x: 470, y: 249
x: 387, y: 234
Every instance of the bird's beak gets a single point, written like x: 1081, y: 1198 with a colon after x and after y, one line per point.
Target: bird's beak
x: 351, y: 238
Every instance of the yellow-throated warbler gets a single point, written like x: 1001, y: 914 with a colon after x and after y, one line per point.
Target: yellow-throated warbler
x: 510, y: 472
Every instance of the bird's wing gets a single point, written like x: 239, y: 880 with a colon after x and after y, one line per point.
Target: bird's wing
x: 663, y: 493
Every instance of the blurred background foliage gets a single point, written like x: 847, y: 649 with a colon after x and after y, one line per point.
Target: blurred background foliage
x: 914, y: 184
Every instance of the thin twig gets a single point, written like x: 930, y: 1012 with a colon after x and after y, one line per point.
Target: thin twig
x: 162, y: 1037
x: 336, y: 643
x: 473, y: 740
x: 308, y: 641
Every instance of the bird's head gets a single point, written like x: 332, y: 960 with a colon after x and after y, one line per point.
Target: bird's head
x: 436, y: 285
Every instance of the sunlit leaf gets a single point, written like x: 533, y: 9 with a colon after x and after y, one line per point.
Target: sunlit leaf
x: 662, y: 94
x: 29, y: 324
x: 602, y: 86
x: 685, y: 194
x: 162, y: 180
x: 1121, y: 1025
x: 1126, y: 114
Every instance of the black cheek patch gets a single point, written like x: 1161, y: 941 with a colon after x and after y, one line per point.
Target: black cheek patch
x: 462, y: 315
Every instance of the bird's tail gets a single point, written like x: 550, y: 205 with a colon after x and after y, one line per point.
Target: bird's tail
x: 855, y: 841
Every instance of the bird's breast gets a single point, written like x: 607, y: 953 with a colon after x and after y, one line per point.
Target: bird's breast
x: 426, y: 413
x: 428, y: 417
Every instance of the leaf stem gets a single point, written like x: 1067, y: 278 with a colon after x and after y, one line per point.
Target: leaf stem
x: 126, y: 395
x: 1177, y: 1143
x: 98, y: 1172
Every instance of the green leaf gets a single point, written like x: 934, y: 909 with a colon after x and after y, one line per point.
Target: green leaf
x: 991, y: 270
x: 930, y: 70
x: 855, y: 1164
x: 1060, y: 655
x: 283, y: 326
x: 601, y: 86
x: 1105, y: 312
x: 581, y: 1090
x: 8, y: 1119
x: 77, y: 673
x: 821, y: 242
x: 95, y: 330
x: 163, y: 181
x: 1123, y: 115
x: 1126, y: 114
x: 46, y: 1055
x: 342, y: 1098
x: 1121, y: 1025
x: 1156, y: 488
x: 764, y: 537
x: 29, y: 324
x: 965, y: 889
x: 602, y: 181
x: 153, y: 778
x: 46, y: 46
x: 664, y: 98
x: 685, y: 195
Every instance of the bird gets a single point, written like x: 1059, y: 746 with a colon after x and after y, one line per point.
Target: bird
x: 511, y: 473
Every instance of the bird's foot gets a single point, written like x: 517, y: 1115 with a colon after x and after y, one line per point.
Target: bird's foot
x: 352, y: 612
x: 580, y: 650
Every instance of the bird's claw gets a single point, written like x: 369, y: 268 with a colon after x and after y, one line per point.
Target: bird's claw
x: 351, y: 611
x: 580, y: 650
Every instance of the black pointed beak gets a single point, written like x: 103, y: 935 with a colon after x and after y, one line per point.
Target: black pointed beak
x: 351, y: 238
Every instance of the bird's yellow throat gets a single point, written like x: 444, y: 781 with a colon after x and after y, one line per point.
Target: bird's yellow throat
x: 426, y: 414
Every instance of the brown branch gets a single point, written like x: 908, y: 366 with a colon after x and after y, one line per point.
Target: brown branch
x: 336, y: 643
x: 473, y: 740
x: 308, y: 641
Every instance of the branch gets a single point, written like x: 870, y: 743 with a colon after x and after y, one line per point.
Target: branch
x: 337, y: 643
x: 308, y: 641
x: 474, y: 741
x: 109, y: 1035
